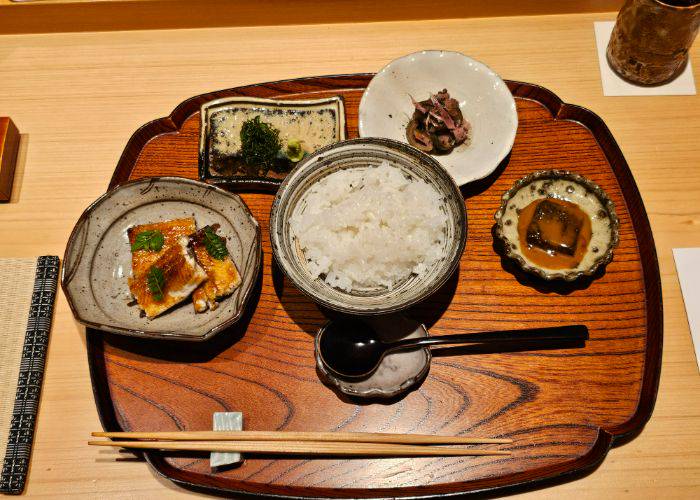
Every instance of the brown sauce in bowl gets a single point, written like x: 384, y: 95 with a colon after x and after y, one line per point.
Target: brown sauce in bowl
x: 554, y: 233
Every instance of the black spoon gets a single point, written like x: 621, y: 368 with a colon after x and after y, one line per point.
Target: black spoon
x: 351, y: 349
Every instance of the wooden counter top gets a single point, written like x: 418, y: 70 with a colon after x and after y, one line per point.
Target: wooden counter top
x: 58, y: 16
x: 76, y: 99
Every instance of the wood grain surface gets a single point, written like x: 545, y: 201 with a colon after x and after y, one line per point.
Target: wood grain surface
x: 563, y: 408
x: 77, y: 98
x: 51, y: 16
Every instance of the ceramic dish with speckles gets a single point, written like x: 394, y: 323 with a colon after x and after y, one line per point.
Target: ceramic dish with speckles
x: 364, y: 153
x: 570, y: 188
x: 97, y: 261
x: 316, y: 122
x: 484, y: 100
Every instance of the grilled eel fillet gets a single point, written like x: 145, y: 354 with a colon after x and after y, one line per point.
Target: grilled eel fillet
x: 182, y: 274
x: 222, y: 275
x: 173, y: 230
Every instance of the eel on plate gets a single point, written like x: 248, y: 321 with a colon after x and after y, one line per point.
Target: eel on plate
x: 172, y: 230
x: 222, y: 275
x: 179, y: 270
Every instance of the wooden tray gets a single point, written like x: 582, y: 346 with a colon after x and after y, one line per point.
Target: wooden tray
x: 562, y: 408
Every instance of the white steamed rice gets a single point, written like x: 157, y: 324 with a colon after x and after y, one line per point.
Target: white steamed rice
x: 369, y: 227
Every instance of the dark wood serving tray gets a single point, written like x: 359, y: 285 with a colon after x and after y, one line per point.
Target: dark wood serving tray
x: 563, y: 408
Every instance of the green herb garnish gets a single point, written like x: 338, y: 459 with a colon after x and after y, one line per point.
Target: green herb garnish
x: 295, y: 152
x: 215, y: 245
x: 148, y: 240
x: 156, y: 282
x: 260, y: 144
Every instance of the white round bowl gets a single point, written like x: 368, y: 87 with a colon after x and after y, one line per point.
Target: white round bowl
x: 484, y: 100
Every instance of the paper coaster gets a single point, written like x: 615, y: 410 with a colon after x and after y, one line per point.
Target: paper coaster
x: 688, y: 269
x: 613, y: 85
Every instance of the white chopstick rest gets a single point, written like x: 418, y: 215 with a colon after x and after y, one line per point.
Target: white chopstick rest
x: 226, y: 421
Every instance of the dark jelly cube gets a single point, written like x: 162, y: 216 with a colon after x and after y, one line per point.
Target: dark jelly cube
x: 555, y: 226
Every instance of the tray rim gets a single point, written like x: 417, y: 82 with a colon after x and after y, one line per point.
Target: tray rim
x: 508, y: 484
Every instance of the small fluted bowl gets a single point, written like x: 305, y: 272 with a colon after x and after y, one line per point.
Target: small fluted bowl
x: 571, y: 187
x: 360, y: 153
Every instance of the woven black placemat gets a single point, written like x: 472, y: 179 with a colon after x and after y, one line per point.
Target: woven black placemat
x: 31, y: 373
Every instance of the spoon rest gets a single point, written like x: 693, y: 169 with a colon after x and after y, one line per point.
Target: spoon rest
x: 397, y: 372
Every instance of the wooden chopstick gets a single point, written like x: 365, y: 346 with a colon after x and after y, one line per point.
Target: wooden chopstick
x: 345, y: 437
x: 302, y: 448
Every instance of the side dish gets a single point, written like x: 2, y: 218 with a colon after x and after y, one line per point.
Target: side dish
x: 437, y: 125
x: 261, y: 148
x: 369, y: 227
x: 172, y: 261
x: 264, y: 138
x: 554, y: 233
x: 558, y: 225
x: 222, y: 275
x: 254, y: 142
x: 489, y: 116
x: 141, y: 235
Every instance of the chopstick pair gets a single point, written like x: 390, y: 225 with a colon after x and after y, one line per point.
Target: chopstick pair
x: 301, y: 443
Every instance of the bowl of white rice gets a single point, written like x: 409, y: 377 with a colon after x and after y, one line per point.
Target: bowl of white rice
x: 368, y: 226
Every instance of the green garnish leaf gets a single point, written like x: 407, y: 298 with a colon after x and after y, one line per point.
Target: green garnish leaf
x: 295, y: 152
x: 148, y: 240
x: 260, y: 143
x: 156, y: 282
x: 215, y: 244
